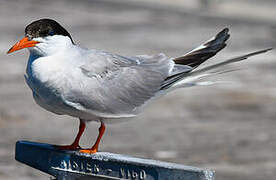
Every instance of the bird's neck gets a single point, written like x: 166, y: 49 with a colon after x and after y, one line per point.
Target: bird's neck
x: 51, y: 45
x: 33, y: 56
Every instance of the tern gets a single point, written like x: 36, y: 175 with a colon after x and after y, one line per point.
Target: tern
x: 95, y: 85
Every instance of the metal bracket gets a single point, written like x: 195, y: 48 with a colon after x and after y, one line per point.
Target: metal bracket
x: 72, y: 165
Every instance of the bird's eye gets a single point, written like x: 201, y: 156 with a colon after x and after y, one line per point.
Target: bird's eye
x: 29, y: 36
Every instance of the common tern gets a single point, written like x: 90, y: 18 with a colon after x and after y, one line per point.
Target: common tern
x: 95, y: 85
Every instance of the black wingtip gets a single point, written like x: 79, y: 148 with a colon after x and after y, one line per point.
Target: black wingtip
x: 209, y: 49
x: 223, y: 34
x: 226, y: 29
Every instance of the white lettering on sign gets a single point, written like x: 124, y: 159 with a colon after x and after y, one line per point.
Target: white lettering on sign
x: 78, y: 166
x: 89, y: 168
x: 132, y: 174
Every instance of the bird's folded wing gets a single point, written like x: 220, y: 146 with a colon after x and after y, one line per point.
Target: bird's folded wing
x: 116, y: 85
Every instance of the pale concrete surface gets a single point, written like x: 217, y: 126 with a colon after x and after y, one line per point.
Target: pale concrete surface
x: 249, y: 10
x: 229, y: 128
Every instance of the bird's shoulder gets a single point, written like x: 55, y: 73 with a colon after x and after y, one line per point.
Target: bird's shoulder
x: 100, y: 63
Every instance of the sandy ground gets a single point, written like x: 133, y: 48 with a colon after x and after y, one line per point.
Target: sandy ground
x: 229, y: 128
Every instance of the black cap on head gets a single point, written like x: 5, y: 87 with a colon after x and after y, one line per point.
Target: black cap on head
x: 45, y: 27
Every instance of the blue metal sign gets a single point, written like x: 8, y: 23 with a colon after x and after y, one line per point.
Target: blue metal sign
x: 72, y: 165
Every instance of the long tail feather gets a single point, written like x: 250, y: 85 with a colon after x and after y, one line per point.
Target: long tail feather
x: 192, y: 78
x: 229, y: 61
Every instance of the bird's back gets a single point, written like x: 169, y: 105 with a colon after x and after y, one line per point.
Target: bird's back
x: 116, y: 86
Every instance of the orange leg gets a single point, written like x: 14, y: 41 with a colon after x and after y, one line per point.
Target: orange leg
x: 75, y: 145
x: 95, y: 147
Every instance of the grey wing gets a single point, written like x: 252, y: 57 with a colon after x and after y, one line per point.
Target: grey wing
x: 118, y: 86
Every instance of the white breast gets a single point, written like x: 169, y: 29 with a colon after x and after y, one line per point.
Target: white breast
x: 49, y: 77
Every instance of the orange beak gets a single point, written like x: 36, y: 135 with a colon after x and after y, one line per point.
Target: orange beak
x: 23, y: 43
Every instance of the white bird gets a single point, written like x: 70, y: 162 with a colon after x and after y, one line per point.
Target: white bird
x: 94, y: 85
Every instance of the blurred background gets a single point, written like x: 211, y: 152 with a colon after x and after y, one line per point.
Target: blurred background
x: 229, y: 128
